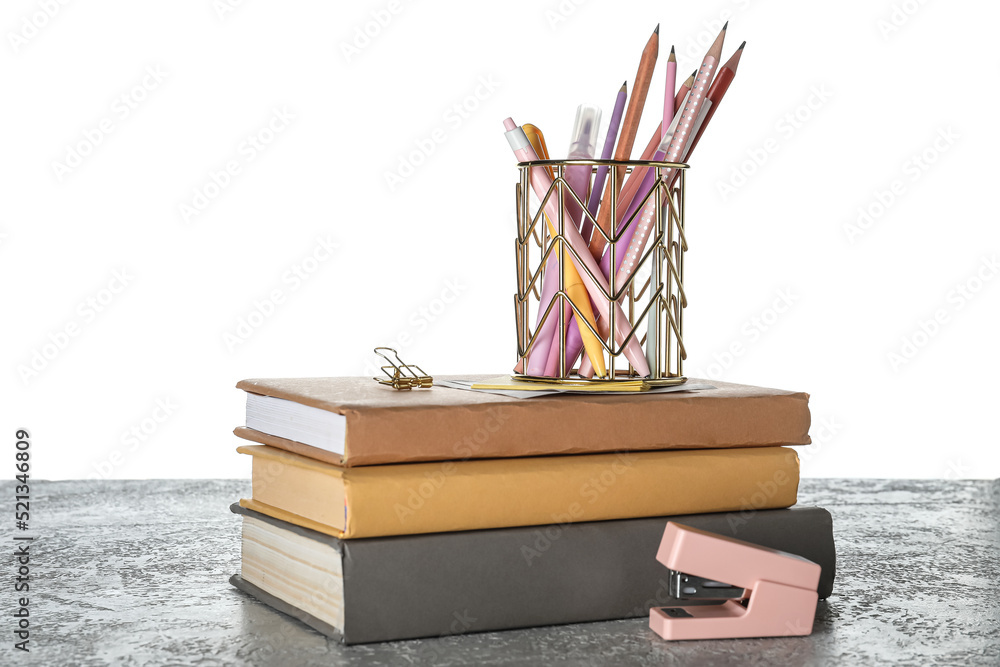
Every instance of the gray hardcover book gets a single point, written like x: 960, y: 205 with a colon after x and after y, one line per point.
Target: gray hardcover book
x: 388, y: 588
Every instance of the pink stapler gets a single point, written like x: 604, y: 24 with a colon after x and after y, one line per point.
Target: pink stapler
x: 764, y: 592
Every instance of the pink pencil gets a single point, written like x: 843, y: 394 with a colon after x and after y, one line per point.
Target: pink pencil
x: 668, y: 91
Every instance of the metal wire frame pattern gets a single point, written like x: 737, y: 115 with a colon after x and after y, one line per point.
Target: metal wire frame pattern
x: 659, y: 301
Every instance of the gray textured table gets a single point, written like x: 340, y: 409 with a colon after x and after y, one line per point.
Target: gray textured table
x: 135, y: 573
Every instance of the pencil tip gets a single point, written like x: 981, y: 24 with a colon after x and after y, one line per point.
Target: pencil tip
x: 742, y: 45
x: 624, y: 87
x: 671, y: 49
x: 725, y: 26
x: 657, y: 31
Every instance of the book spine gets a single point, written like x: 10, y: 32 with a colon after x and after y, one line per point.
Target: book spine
x: 454, y: 583
x: 471, y: 495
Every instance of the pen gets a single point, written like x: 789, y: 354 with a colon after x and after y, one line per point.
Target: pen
x: 582, y: 146
x: 546, y: 327
x: 574, y: 341
x: 590, y: 272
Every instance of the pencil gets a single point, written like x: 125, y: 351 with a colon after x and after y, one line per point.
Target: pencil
x: 587, y: 227
x: 631, y: 187
x: 718, y: 90
x: 683, y: 90
x: 635, y: 178
x: 641, y: 228
x: 668, y: 90
x: 630, y: 126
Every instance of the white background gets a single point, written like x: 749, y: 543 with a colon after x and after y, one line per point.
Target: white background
x: 838, y: 98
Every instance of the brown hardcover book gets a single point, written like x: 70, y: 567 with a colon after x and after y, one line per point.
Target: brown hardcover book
x: 358, y: 422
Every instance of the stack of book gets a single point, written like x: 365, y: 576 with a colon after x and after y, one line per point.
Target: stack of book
x: 379, y: 515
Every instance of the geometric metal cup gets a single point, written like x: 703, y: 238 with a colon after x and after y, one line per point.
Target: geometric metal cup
x: 652, y: 298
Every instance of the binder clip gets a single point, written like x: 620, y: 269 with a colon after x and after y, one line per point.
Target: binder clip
x: 400, y: 375
x: 754, y: 591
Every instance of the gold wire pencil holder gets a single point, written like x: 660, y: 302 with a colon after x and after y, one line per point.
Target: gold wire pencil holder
x: 652, y: 298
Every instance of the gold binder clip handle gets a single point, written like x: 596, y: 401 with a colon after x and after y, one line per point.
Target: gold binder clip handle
x: 400, y: 375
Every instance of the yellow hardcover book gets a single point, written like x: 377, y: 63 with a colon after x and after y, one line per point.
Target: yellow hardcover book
x: 445, y: 496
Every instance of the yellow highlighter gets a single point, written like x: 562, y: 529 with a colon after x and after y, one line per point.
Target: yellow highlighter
x: 575, y: 289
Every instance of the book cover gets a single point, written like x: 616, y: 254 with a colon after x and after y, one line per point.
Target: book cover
x: 476, y: 494
x: 382, y: 425
x: 388, y: 588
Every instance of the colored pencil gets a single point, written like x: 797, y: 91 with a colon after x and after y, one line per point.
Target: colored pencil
x: 587, y: 227
x: 637, y: 231
x: 687, y: 112
x: 635, y: 178
x: 718, y: 90
x: 630, y: 126
x: 668, y: 91
x: 683, y: 90
x: 675, y: 151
